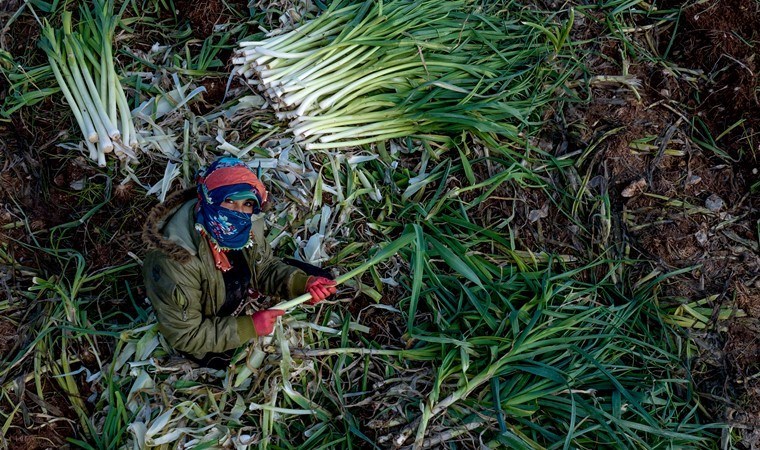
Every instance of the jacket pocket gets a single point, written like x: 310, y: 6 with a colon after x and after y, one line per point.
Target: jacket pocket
x: 181, y: 301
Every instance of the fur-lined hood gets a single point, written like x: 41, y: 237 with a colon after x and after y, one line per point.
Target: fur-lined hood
x: 170, y: 226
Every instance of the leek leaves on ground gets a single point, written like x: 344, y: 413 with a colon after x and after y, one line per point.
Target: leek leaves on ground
x: 571, y: 362
x: 380, y: 70
x: 382, y: 254
x: 518, y: 355
x: 513, y: 353
x: 82, y: 61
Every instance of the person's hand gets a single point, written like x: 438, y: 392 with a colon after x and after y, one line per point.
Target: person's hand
x: 320, y: 288
x: 263, y: 321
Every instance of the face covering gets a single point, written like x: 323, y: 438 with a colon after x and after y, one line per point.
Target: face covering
x: 226, y: 178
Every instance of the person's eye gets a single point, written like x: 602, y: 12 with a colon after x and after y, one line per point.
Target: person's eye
x: 249, y: 204
x: 229, y: 200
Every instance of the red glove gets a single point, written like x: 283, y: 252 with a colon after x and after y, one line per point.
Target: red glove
x: 263, y: 321
x: 320, y: 288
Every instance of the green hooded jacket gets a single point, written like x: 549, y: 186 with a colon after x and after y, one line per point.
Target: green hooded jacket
x: 187, y: 290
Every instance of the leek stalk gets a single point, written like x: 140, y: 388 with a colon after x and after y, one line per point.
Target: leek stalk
x: 385, y: 253
x: 394, y: 69
x: 82, y: 61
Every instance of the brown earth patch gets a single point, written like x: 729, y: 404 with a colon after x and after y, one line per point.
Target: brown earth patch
x: 21, y: 35
x: 721, y: 38
x: 205, y: 15
x: 213, y: 97
x: 45, y: 422
x: 686, y: 206
x: 742, y: 350
x: 386, y: 327
x: 7, y: 336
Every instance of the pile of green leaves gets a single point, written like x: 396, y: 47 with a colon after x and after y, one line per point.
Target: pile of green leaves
x: 371, y: 71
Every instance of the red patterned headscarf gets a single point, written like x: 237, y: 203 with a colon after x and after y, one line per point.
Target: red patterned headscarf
x: 225, y: 229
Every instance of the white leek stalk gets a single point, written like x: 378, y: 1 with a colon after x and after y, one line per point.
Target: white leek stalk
x: 82, y: 62
x: 396, y: 68
x: 385, y: 253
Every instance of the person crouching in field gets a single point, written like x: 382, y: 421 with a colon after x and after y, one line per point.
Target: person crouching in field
x: 209, y: 261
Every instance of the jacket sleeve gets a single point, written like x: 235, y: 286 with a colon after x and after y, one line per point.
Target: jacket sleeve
x: 175, y: 290
x: 273, y: 276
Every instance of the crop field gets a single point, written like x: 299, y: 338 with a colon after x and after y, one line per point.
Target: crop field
x: 543, y: 216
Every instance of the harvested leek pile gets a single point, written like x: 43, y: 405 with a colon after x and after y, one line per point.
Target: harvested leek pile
x: 82, y: 61
x: 373, y: 71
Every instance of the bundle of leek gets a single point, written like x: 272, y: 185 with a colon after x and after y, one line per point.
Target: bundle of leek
x: 82, y: 62
x: 377, y: 70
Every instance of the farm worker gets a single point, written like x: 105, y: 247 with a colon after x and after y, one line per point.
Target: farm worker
x: 208, y: 262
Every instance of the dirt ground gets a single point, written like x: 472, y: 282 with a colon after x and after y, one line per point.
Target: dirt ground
x: 680, y: 170
x: 681, y: 204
